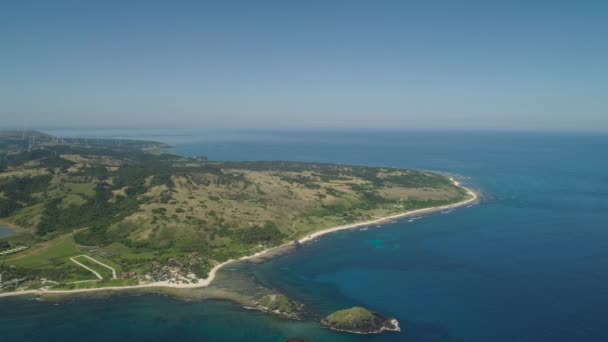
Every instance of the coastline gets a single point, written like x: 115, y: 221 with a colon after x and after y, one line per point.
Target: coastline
x: 212, y: 273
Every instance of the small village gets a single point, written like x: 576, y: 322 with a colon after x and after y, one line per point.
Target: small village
x: 188, y: 270
x: 174, y: 271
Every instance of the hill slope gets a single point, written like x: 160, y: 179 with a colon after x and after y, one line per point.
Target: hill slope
x: 152, y: 215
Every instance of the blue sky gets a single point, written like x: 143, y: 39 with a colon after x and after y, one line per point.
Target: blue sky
x: 527, y: 65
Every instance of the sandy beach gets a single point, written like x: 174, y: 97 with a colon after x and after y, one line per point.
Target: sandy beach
x: 205, y: 282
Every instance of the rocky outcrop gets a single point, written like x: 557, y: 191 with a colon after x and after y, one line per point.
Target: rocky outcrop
x: 280, y: 305
x: 359, y: 321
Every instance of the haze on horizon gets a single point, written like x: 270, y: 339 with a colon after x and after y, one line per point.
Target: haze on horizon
x: 538, y: 65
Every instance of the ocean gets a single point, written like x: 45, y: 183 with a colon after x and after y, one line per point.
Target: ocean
x: 528, y: 263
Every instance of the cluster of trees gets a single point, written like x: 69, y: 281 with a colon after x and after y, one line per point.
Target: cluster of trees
x: 98, y: 213
x: 268, y: 234
x: 134, y: 176
x: 56, y: 273
x: 4, y: 245
x: 18, y: 192
x: 96, y: 235
x: 417, y: 179
x: 94, y: 172
x: 9, y: 273
x: 201, y: 270
x: 47, y: 158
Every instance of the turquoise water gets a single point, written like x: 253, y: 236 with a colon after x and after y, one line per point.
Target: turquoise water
x: 527, y: 264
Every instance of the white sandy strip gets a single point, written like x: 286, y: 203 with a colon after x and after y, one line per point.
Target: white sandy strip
x: 205, y: 282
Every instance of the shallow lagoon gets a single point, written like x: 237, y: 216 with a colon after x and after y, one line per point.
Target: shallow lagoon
x: 5, y: 231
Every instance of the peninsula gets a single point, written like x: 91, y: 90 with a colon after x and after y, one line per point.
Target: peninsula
x: 103, y: 214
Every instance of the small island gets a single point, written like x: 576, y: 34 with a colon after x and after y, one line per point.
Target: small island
x: 280, y: 305
x: 359, y: 321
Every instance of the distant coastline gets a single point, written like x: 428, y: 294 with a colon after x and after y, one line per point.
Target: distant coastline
x: 212, y: 273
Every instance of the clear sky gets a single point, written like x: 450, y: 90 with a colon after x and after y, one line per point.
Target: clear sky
x: 305, y: 64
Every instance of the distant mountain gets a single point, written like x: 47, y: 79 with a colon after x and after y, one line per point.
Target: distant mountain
x: 15, y: 141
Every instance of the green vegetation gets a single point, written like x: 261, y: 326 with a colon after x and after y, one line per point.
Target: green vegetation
x: 157, y: 216
x: 359, y: 320
x: 17, y: 192
x: 348, y: 316
x: 46, y: 255
x: 105, y: 272
x: 96, y: 284
x: 280, y: 305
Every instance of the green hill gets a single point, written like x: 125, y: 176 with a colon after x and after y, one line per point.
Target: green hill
x: 359, y: 320
x: 155, y: 216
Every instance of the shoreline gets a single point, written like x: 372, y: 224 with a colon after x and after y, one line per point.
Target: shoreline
x: 212, y: 273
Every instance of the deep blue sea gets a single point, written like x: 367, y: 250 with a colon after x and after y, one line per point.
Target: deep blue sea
x: 529, y: 263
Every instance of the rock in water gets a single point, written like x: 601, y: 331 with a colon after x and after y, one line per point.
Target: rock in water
x: 359, y: 321
x: 280, y: 305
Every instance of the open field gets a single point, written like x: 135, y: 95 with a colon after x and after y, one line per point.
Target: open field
x: 47, y: 254
x: 100, y: 270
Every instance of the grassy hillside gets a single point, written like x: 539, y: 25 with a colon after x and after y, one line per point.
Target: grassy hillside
x: 157, y: 216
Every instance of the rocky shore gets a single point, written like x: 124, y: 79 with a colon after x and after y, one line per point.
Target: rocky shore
x: 359, y: 321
